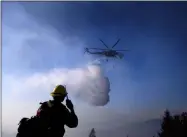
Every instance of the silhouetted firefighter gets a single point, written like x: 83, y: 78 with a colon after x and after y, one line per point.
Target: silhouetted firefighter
x: 51, y: 117
x: 174, y: 126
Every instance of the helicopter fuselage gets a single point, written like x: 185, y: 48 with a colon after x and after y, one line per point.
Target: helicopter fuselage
x: 107, y: 53
x: 110, y: 53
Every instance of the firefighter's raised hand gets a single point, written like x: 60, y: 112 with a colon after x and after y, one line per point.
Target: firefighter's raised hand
x: 69, y: 104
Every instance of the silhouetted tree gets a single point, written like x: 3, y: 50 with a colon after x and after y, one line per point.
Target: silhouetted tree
x: 166, y: 126
x: 174, y: 126
x: 184, y: 123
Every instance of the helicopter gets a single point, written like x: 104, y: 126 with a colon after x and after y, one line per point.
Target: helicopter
x: 108, y: 52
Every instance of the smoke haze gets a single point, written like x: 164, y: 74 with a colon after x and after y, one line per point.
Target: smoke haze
x: 43, y: 46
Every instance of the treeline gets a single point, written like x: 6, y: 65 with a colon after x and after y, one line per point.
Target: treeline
x: 173, y: 125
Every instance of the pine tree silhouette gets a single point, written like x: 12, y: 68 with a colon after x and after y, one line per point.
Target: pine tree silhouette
x: 166, y: 126
x: 183, y: 120
x: 174, y: 126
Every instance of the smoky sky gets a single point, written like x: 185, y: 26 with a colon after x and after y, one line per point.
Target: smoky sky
x: 151, y: 77
x: 153, y: 73
x: 112, y: 18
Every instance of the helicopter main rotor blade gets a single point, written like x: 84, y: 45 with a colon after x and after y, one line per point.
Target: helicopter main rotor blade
x: 104, y: 43
x: 116, y: 43
x: 97, y: 48
x: 123, y: 50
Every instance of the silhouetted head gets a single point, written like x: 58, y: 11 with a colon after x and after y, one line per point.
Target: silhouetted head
x: 59, y: 93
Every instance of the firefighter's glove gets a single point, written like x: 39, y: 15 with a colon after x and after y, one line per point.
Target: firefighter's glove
x: 69, y: 104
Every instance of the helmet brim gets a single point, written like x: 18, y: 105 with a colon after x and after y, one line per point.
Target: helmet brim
x: 58, y: 94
